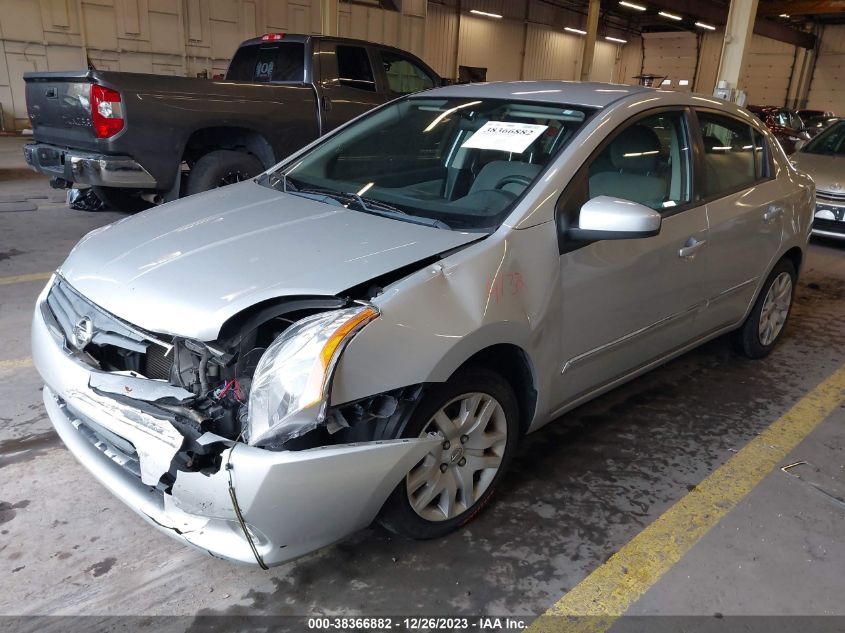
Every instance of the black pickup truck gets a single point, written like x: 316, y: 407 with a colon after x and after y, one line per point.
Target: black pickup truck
x: 139, y: 139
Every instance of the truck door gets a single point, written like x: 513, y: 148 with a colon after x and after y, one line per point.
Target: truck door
x: 347, y: 85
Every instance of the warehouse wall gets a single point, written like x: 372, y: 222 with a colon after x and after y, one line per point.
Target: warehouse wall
x: 695, y: 58
x: 187, y: 37
x: 827, y: 90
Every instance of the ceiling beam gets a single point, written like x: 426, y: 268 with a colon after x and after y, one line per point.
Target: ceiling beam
x: 801, y: 7
x: 716, y: 14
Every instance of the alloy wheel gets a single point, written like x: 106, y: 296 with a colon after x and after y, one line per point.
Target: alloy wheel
x: 451, y: 478
x: 775, y: 308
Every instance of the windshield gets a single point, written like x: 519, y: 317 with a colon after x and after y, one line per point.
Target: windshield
x: 451, y: 163
x: 831, y: 141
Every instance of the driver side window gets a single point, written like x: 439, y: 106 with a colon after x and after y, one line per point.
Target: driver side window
x: 646, y: 162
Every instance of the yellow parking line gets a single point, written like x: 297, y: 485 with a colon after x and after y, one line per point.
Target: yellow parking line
x: 612, y: 588
x: 18, y: 279
x: 14, y: 363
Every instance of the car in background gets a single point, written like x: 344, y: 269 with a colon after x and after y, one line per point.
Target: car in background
x: 784, y: 123
x: 817, y: 124
x: 823, y: 158
x: 807, y: 114
x: 366, y: 330
x: 139, y: 139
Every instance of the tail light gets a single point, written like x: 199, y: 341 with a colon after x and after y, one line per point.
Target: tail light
x: 106, y: 111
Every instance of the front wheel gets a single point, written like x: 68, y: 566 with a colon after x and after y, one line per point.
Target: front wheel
x: 764, y: 325
x: 220, y: 168
x: 475, y: 414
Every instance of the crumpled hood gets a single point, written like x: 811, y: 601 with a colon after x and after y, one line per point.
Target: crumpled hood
x: 186, y: 267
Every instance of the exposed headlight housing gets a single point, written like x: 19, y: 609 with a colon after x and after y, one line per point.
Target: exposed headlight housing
x: 290, y: 387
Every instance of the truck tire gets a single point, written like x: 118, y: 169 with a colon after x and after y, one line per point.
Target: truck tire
x: 121, y: 199
x: 220, y: 168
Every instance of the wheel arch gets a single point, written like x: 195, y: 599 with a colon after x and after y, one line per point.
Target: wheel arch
x: 512, y: 363
x: 234, y: 138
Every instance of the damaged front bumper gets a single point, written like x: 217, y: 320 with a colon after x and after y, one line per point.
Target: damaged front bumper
x: 259, y: 507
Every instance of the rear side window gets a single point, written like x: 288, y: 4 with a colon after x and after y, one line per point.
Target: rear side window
x: 354, y: 69
x: 728, y: 155
x: 403, y: 75
x: 271, y: 62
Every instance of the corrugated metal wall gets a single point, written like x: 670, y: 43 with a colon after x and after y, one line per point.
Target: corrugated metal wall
x: 827, y: 90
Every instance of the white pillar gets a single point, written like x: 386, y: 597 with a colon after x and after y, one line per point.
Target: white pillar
x: 590, y: 39
x: 738, y: 33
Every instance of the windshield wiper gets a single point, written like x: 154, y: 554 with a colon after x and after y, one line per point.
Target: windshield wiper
x: 375, y: 207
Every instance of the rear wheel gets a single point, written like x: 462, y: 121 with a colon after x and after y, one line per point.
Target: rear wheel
x: 475, y: 414
x: 764, y: 325
x: 220, y: 168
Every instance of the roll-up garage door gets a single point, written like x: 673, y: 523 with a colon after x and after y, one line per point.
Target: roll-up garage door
x: 768, y: 65
x: 826, y: 91
x: 673, y: 55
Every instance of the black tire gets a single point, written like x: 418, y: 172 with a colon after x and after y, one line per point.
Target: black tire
x: 397, y: 514
x: 747, y: 339
x: 121, y: 199
x: 220, y: 168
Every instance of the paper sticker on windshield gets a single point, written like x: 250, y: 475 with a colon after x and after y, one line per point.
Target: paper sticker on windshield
x: 505, y: 136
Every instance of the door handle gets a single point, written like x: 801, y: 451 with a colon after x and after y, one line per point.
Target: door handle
x: 691, y: 248
x: 772, y: 214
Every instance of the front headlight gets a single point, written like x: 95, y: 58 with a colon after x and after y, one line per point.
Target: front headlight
x: 290, y: 387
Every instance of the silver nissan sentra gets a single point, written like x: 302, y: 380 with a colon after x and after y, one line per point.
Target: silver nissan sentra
x: 366, y: 330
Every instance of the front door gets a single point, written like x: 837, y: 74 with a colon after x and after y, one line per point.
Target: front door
x: 630, y: 302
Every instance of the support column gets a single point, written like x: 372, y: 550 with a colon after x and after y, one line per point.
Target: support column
x: 329, y: 17
x: 738, y: 33
x: 590, y: 39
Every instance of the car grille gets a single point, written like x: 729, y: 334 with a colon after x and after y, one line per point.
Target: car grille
x: 113, y: 343
x: 829, y: 196
x: 121, y: 451
x: 831, y: 226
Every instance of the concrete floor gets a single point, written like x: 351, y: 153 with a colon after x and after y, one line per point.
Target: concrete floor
x: 579, y: 490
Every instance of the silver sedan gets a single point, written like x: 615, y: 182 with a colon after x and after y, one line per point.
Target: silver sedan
x: 822, y: 159
x: 366, y: 330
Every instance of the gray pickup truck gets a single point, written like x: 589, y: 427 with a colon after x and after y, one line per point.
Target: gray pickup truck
x: 139, y: 139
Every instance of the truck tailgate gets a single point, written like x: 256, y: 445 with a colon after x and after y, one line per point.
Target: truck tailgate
x: 59, y: 108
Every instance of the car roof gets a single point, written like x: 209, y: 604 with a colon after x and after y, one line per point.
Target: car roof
x: 588, y: 93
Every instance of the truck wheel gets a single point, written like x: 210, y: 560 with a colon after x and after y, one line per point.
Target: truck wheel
x: 220, y: 168
x: 121, y: 199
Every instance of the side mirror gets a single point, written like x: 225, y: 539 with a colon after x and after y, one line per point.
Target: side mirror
x: 607, y: 218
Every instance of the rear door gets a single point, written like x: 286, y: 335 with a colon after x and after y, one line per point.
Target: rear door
x: 349, y: 85
x: 746, y: 211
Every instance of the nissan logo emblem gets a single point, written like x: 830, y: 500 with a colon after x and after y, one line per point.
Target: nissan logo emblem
x: 82, y: 333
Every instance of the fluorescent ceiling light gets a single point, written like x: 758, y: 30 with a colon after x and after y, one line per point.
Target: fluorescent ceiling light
x: 783, y: 15
x: 666, y: 82
x: 671, y: 16
x: 615, y: 39
x: 702, y: 25
x: 485, y: 13
x: 631, y: 5
x: 683, y: 82
x: 571, y: 30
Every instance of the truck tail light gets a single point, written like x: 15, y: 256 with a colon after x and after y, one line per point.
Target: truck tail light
x: 106, y: 111
x: 273, y: 37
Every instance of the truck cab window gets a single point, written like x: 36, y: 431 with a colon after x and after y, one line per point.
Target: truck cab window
x: 271, y: 62
x: 403, y: 75
x: 354, y: 69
